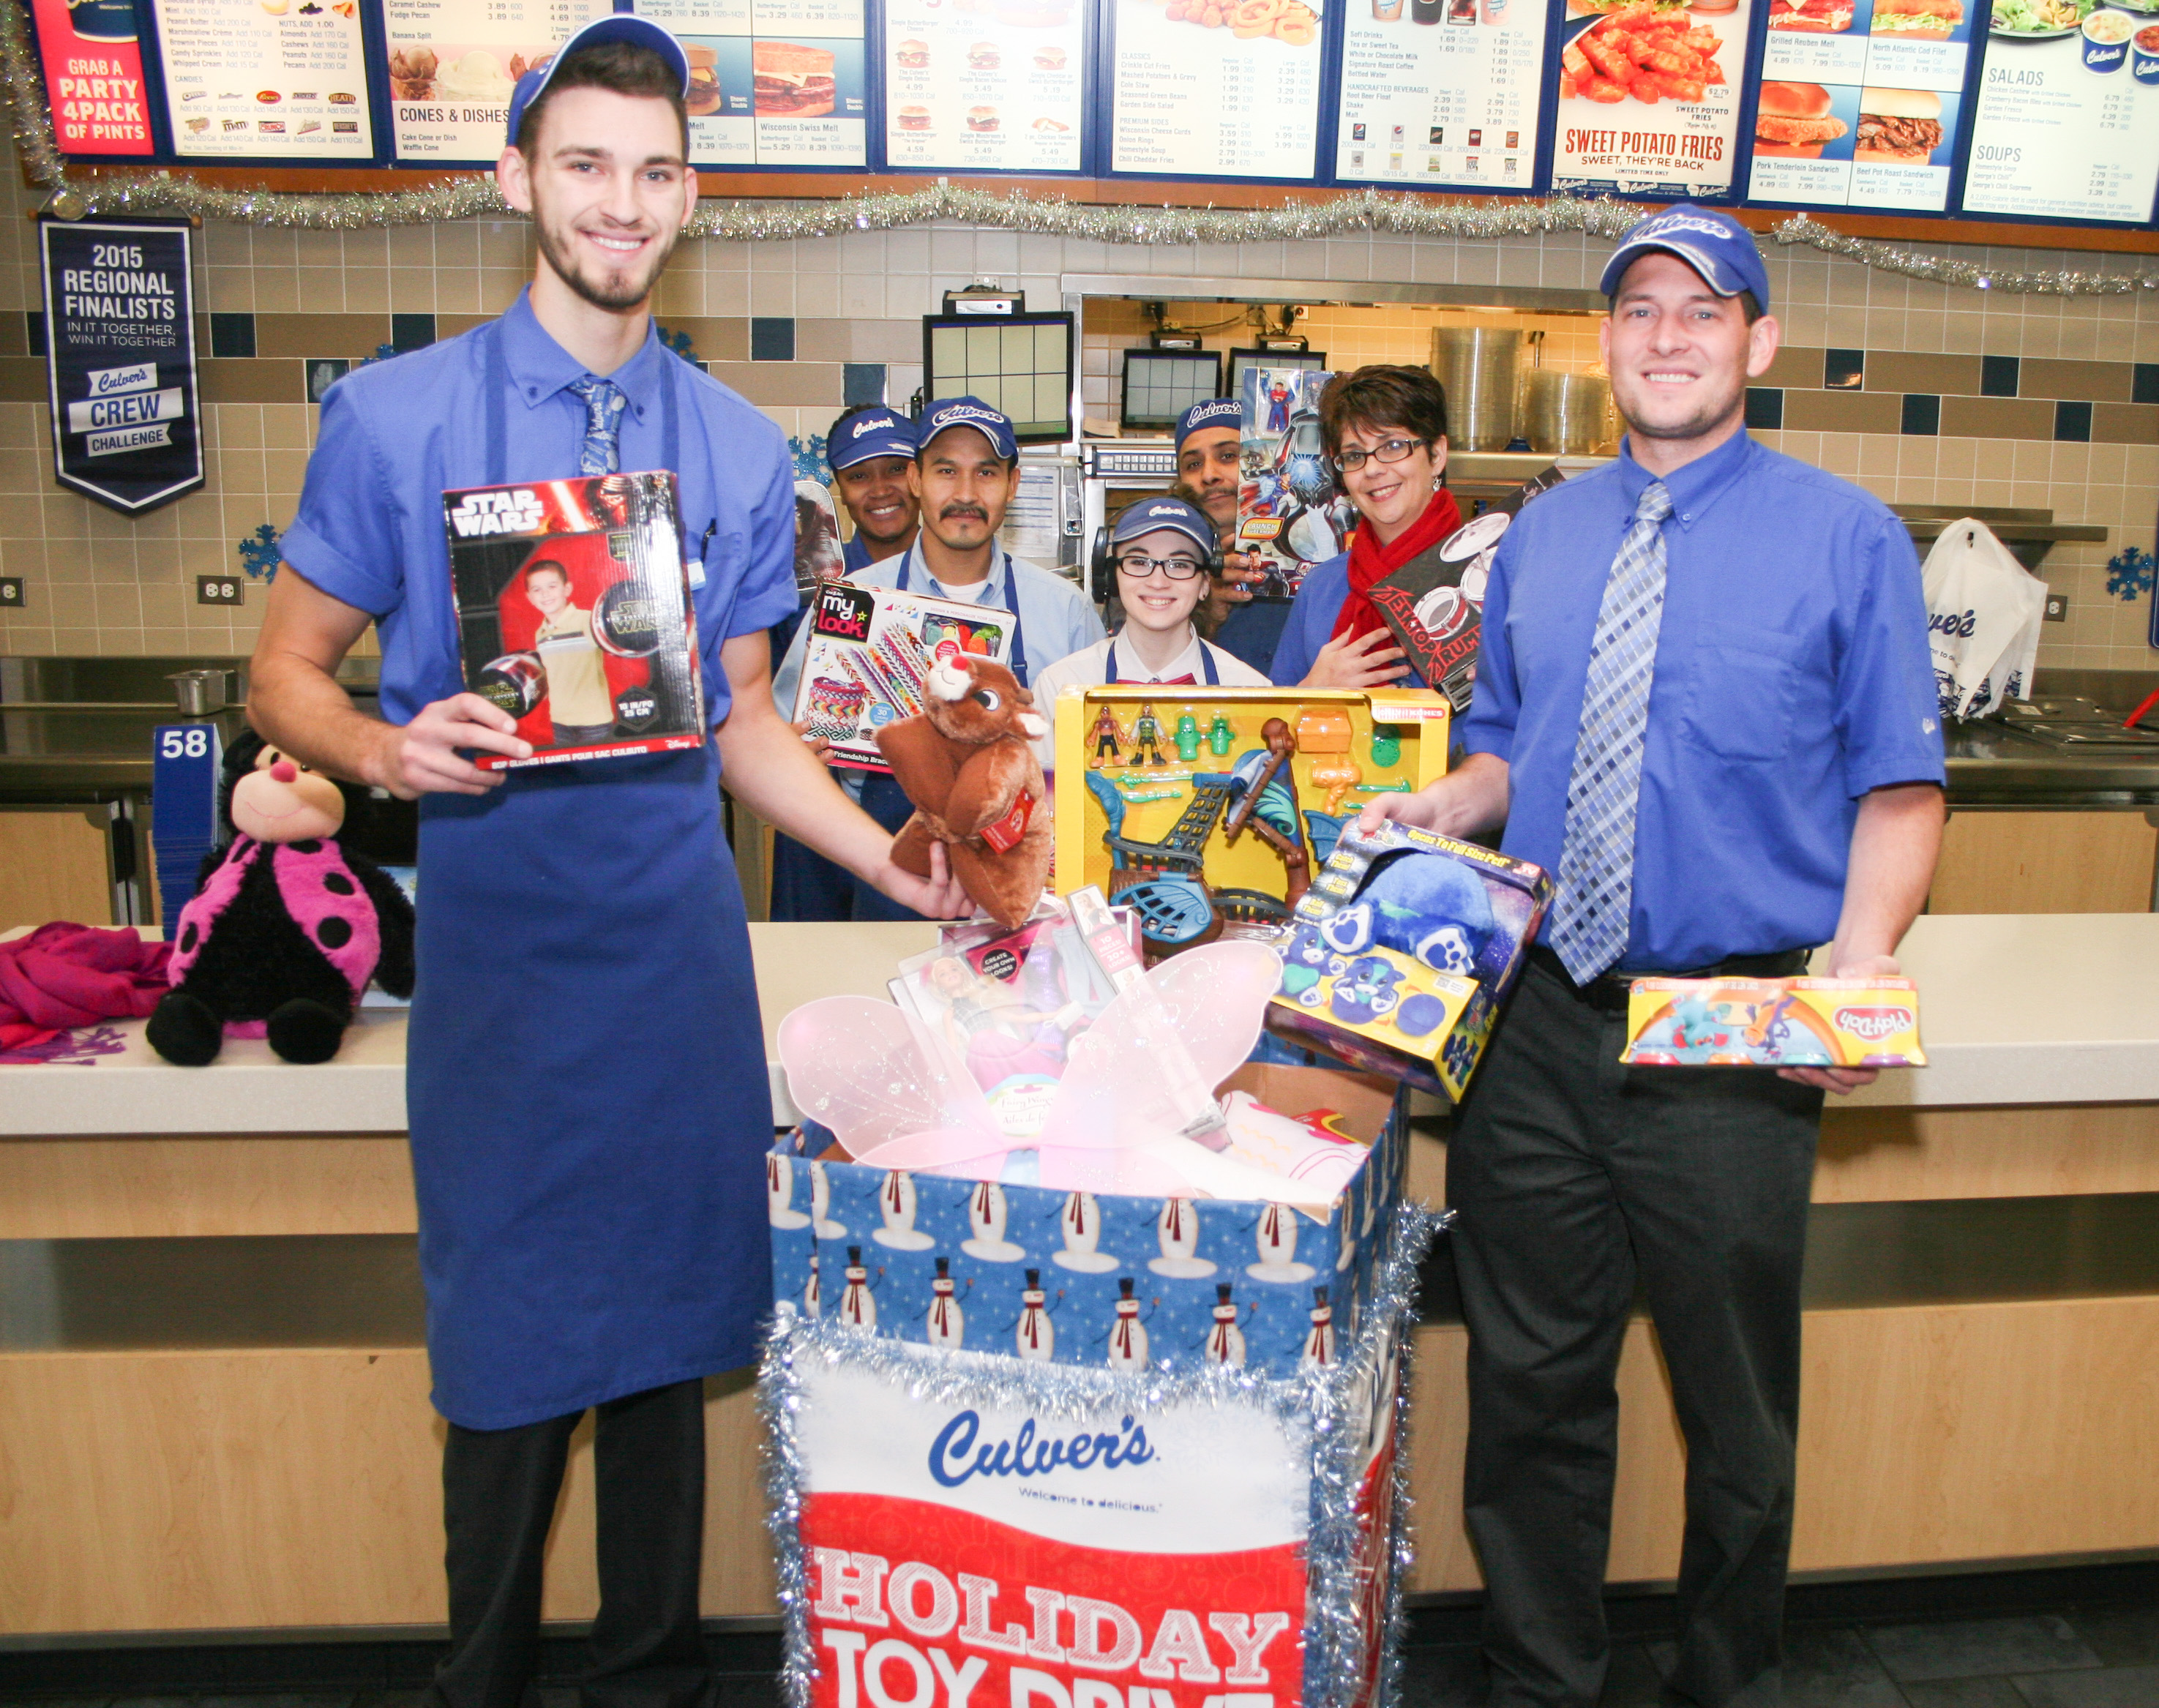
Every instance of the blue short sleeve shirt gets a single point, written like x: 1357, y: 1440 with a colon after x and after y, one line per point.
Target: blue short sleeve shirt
x: 1792, y: 678
x: 394, y: 436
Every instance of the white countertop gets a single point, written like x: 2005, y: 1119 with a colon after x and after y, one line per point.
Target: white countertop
x: 2015, y: 1009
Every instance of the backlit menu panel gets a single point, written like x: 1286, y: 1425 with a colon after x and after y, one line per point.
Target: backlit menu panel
x: 454, y: 64
x: 984, y: 85
x: 1648, y: 98
x: 1209, y: 90
x: 772, y: 82
x: 265, y: 79
x: 1442, y: 92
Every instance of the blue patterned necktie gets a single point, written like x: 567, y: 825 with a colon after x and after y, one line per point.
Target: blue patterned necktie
x: 601, y: 453
x: 1590, y: 919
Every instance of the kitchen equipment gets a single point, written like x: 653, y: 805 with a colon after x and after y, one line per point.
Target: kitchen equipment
x: 1566, y: 414
x: 197, y: 693
x: 1480, y: 369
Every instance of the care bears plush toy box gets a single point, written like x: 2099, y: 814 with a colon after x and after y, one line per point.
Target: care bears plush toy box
x: 1402, y: 952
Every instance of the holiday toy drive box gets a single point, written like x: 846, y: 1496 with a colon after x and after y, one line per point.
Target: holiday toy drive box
x: 1046, y: 1449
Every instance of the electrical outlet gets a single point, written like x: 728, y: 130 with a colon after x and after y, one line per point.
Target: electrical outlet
x: 2057, y: 608
x: 219, y: 589
x: 11, y: 593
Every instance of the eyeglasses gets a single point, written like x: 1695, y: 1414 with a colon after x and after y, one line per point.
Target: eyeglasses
x: 1391, y: 451
x: 1176, y: 568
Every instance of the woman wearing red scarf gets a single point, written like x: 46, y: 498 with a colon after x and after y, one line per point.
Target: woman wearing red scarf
x: 1385, y: 427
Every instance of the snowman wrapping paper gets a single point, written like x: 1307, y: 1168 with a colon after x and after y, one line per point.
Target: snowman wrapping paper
x: 1112, y: 1280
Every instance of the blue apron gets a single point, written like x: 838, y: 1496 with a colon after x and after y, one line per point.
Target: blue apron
x: 585, y: 1080
x: 885, y: 801
x: 1209, y: 674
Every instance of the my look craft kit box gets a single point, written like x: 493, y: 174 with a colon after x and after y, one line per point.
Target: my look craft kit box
x: 1403, y: 951
x: 1796, y: 1023
x: 1213, y: 808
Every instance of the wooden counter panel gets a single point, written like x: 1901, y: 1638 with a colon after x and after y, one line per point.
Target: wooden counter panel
x: 1931, y: 1436
x: 124, y: 1186
x: 2047, y: 1150
x: 2044, y: 863
x: 243, y: 1490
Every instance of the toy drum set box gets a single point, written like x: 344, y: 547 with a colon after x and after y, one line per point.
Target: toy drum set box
x: 869, y: 654
x: 1216, y: 808
x: 574, y: 614
x: 1090, y: 1391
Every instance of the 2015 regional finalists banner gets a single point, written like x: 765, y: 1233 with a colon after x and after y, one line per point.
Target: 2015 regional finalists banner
x: 1649, y: 97
x: 121, y: 360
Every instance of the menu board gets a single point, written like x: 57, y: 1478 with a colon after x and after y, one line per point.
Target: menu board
x: 1648, y: 104
x: 984, y: 85
x: 93, y: 67
x: 1209, y: 90
x: 454, y: 64
x: 1859, y: 102
x: 1442, y: 92
x: 772, y: 82
x: 2066, y: 124
x: 265, y: 79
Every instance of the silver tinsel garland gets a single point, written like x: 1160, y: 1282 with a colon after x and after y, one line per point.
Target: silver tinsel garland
x: 1315, y: 1405
x: 163, y: 193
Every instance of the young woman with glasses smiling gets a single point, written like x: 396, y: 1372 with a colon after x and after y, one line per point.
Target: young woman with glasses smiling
x: 1385, y: 429
x: 1163, y: 547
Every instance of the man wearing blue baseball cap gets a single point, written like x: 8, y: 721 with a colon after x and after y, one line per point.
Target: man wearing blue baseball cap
x: 965, y: 471
x: 1704, y: 703
x: 1209, y: 473
x: 869, y: 448
x: 585, y: 1086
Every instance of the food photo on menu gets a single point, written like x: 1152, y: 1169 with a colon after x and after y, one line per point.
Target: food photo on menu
x: 986, y: 83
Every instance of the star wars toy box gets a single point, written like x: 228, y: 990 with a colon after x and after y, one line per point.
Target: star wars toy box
x: 1290, y: 511
x: 1403, y: 951
x: 574, y: 614
x: 1066, y: 1450
x: 1209, y: 810
x: 869, y: 649
x: 1795, y: 1023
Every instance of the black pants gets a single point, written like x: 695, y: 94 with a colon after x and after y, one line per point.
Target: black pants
x: 498, y: 1492
x: 1577, y: 1179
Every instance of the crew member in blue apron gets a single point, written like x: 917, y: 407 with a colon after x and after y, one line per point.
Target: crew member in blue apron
x: 869, y: 449
x: 586, y: 1083
x: 964, y: 470
x: 1163, y: 548
x: 1210, y: 475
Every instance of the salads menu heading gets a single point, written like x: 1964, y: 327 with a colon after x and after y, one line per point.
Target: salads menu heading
x: 2024, y: 109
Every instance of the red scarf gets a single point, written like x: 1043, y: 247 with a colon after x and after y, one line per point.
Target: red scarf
x: 1370, y: 563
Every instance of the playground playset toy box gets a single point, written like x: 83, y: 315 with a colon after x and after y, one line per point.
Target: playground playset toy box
x: 1209, y: 809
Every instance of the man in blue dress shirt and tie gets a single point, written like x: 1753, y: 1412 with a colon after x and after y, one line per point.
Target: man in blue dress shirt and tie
x: 1704, y: 704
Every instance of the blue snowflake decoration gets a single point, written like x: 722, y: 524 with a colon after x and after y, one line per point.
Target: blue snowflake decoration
x: 383, y: 352
x: 809, y: 458
x: 678, y: 342
x: 2130, y: 574
x: 259, y: 553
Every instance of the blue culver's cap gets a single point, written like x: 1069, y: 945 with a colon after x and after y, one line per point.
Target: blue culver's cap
x: 875, y: 432
x: 1147, y: 514
x: 612, y: 26
x: 1714, y: 244
x: 1215, y: 412
x: 949, y: 412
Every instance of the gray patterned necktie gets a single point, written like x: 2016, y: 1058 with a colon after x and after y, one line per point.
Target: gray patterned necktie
x: 1590, y: 919
x: 600, y: 452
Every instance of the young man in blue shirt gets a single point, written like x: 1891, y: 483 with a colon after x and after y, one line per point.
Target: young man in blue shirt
x: 586, y: 1084
x: 1704, y: 704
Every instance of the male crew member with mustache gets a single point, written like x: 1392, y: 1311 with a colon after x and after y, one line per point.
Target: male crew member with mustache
x: 1704, y: 704
x: 586, y: 1081
x: 965, y: 469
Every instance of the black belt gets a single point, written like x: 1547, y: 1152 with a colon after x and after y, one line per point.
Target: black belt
x: 1607, y: 993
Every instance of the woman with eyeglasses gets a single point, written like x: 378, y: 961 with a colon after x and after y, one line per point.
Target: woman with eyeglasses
x: 1162, y: 547
x: 1385, y: 429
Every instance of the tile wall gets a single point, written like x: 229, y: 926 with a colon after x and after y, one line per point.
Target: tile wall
x: 799, y: 328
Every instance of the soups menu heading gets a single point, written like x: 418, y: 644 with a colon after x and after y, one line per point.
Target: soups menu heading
x: 2026, y: 110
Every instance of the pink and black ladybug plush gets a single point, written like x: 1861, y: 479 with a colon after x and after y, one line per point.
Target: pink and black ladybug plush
x: 288, y: 926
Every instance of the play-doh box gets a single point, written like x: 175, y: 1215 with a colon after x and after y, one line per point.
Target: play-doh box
x: 1796, y: 1023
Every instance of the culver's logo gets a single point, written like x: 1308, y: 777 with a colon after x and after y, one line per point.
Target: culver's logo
x: 1951, y: 622
x: 870, y: 424
x: 1873, y: 1023
x: 963, y: 411
x: 514, y: 512
x: 1668, y: 223
x: 960, y: 1453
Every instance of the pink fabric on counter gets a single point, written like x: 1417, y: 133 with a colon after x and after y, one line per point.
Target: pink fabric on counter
x: 65, y: 974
